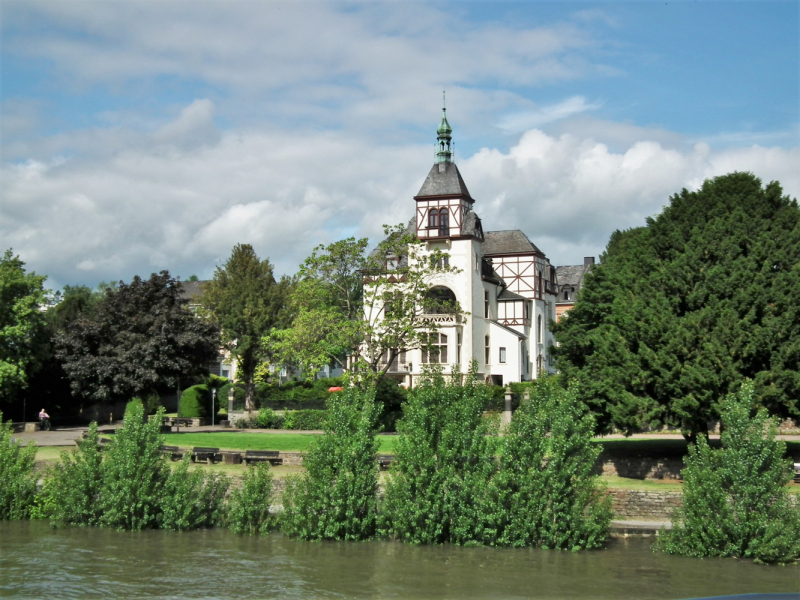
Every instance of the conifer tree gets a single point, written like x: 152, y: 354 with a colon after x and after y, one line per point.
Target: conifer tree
x: 679, y: 312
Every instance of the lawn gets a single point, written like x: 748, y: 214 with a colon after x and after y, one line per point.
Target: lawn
x: 234, y: 440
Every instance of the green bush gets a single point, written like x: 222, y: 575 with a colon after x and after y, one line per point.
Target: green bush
x: 17, y: 479
x: 248, y: 506
x: 134, y: 473
x: 390, y: 396
x: 337, y: 497
x: 305, y: 419
x: 735, y: 501
x: 445, y: 459
x: 193, y: 499
x: 195, y: 402
x: 544, y: 493
x: 72, y: 487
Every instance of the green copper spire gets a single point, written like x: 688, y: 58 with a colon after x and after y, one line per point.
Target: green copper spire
x: 444, y: 137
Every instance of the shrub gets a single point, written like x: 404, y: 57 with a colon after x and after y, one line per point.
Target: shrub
x: 17, y: 478
x: 238, y: 395
x: 390, y: 396
x: 131, y: 405
x: 73, y: 485
x: 195, y: 402
x: 305, y: 419
x: 134, y: 473
x: 193, y: 499
x: 444, y: 463
x: 337, y: 496
x: 545, y: 493
x: 735, y: 501
x: 248, y: 507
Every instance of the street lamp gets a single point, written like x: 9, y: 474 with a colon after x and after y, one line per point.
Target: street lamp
x: 213, y: 395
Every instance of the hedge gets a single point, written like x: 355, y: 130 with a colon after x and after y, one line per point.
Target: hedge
x: 195, y: 402
x: 305, y: 419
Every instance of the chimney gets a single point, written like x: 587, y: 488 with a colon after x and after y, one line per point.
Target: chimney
x: 588, y: 261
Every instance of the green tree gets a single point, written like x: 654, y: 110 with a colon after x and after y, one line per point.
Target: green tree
x: 679, y: 312
x: 248, y: 505
x: 139, y: 339
x: 365, y: 307
x: 23, y: 337
x: 337, y: 497
x: 437, y: 489
x: 246, y: 302
x: 17, y: 477
x: 545, y: 493
x: 735, y: 499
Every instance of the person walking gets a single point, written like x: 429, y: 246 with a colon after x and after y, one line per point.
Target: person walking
x: 44, y: 420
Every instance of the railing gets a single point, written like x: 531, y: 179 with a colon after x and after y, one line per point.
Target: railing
x: 440, y: 318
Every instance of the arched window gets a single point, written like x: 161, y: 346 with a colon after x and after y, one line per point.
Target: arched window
x: 444, y: 222
x: 539, y: 328
x: 433, y: 218
x: 440, y: 300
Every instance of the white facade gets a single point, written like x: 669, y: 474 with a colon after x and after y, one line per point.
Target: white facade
x: 504, y: 282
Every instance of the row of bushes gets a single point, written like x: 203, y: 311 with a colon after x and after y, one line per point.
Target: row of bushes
x: 266, y: 418
x: 129, y: 486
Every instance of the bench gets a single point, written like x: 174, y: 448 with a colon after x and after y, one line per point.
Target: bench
x: 173, y: 452
x: 206, y: 454
x: 384, y: 460
x: 273, y: 456
x: 797, y: 472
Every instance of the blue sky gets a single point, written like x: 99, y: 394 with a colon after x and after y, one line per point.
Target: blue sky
x: 138, y: 136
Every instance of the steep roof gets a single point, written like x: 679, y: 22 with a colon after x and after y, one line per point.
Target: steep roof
x: 444, y: 180
x: 510, y: 241
x: 192, y: 290
x: 506, y: 296
x: 570, y: 275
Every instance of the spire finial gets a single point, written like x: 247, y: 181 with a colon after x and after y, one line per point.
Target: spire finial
x: 444, y: 104
x: 444, y: 137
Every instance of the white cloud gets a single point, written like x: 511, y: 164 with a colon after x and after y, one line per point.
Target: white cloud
x: 523, y: 121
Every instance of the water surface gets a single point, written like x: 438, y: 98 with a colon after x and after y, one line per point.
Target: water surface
x: 39, y: 562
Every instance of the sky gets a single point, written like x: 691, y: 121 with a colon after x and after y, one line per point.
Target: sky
x: 138, y: 136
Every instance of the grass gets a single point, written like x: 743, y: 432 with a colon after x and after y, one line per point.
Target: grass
x: 285, y: 442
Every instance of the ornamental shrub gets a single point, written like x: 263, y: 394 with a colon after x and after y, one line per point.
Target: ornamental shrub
x: 193, y: 499
x: 545, y: 493
x: 248, y: 505
x: 337, y: 497
x: 195, y: 402
x: 437, y: 488
x: 134, y: 473
x: 735, y: 501
x: 305, y: 419
x: 17, y: 478
x: 72, y: 487
x: 238, y: 395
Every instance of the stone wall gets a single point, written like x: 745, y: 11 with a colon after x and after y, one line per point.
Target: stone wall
x: 640, y: 504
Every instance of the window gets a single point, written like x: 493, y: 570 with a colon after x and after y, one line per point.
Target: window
x: 441, y: 263
x: 487, y: 350
x: 566, y: 294
x: 539, y: 329
x: 433, y: 218
x: 458, y: 348
x: 539, y: 364
x: 434, y: 349
x: 444, y: 222
x: 485, y: 304
x: 502, y: 355
x: 440, y: 300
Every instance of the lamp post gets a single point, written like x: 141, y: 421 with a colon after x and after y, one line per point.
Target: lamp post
x: 213, y: 396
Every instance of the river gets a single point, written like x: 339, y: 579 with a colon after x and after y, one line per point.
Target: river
x: 39, y: 562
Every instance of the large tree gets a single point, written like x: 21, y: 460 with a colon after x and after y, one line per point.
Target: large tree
x: 680, y: 311
x: 246, y: 302
x: 138, y: 339
x: 23, y: 337
x: 364, y: 307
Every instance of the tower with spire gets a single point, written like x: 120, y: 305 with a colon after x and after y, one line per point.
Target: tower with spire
x: 444, y: 138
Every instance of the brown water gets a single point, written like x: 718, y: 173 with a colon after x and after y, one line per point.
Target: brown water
x: 39, y: 562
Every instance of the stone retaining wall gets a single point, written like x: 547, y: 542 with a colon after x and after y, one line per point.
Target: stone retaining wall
x: 639, y: 467
x: 648, y: 505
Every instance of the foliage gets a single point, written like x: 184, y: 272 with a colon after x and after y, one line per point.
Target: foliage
x: 238, y: 395
x: 545, y: 493
x: 134, y: 474
x: 337, y: 497
x: 195, y: 402
x: 73, y: 485
x: 305, y: 419
x: 264, y: 419
x: 22, y: 325
x: 679, y: 312
x: 438, y: 485
x: 390, y: 397
x: 17, y: 478
x: 246, y: 302
x: 735, y: 501
x: 368, y: 307
x: 193, y: 499
x: 137, y: 340
x: 248, y: 505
